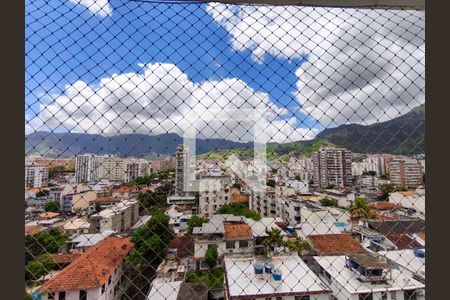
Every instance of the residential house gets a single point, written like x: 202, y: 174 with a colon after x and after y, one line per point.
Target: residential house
x: 97, y: 274
x: 119, y: 217
x: 290, y: 279
x: 364, y: 276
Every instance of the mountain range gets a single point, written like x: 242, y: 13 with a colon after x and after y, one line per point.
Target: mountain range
x: 402, y: 135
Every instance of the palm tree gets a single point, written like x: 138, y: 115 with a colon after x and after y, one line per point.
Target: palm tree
x: 360, y: 209
x: 273, y: 240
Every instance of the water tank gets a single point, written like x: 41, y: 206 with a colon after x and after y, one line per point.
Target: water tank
x: 419, y: 253
x: 276, y: 275
x: 268, y: 268
x: 259, y: 268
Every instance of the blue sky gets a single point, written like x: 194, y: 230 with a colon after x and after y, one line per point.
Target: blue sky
x: 65, y: 42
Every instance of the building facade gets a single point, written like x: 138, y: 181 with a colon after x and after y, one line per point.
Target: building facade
x: 333, y: 167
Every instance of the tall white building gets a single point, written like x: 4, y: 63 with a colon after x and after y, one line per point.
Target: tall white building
x: 215, y: 191
x: 36, y: 176
x: 181, y: 168
x: 333, y: 166
x: 376, y: 163
x: 86, y: 168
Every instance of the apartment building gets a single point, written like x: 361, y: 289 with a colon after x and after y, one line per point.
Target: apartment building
x: 333, y: 167
x: 36, y: 176
x: 264, y: 202
x: 377, y: 164
x: 86, y: 168
x: 120, y: 217
x: 215, y: 191
x: 111, y: 168
x: 406, y: 172
x: 96, y: 274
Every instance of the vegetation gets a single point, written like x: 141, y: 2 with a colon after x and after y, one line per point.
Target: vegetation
x: 43, y: 242
x: 150, y: 242
x: 296, y: 244
x: 275, y: 240
x: 328, y: 202
x: 386, y: 189
x: 239, y: 209
x: 147, y: 180
x: 360, y: 209
x: 41, y: 266
x: 150, y: 201
x: 195, y: 221
x: 385, y: 176
x: 52, y: 206
x: 211, y: 256
x: 270, y: 183
x: 42, y: 193
x: 212, y: 278
x: 27, y: 296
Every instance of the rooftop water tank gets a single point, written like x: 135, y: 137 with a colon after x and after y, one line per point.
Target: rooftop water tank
x: 259, y: 268
x: 276, y: 275
x: 268, y: 268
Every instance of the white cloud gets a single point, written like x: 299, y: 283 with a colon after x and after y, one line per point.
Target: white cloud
x: 101, y: 8
x: 162, y: 100
x: 363, y: 66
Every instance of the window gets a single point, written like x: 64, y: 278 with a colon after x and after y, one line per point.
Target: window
x: 384, y: 296
x: 230, y: 245
x: 410, y: 295
x: 393, y: 295
x: 243, y: 244
x: 367, y: 296
x: 103, y: 288
x: 62, y: 296
x: 83, y: 295
x: 279, y: 298
x: 51, y: 296
x: 302, y: 297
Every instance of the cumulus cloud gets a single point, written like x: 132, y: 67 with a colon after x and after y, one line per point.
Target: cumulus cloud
x: 363, y: 66
x: 162, y: 99
x: 101, y: 8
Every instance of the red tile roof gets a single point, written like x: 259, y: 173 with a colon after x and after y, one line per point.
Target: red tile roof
x: 239, y: 198
x: 48, y: 215
x: 65, y: 258
x: 421, y: 235
x: 383, y: 205
x: 403, y: 241
x: 32, y: 229
x: 93, y: 268
x: 237, y: 231
x: 335, y: 244
x: 184, y: 246
x: 383, y: 217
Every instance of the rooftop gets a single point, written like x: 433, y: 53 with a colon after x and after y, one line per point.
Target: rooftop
x: 93, y: 268
x: 404, y: 241
x: 335, y: 244
x: 336, y: 267
x: 261, y: 227
x: 87, y: 240
x: 184, y: 246
x: 164, y: 291
x: 297, y: 278
x: 369, y: 260
x: 407, y: 259
x: 382, y: 205
x: 48, y: 215
x: 237, y: 231
x: 33, y: 229
x: 193, y: 291
x: 397, y: 226
x: 65, y: 258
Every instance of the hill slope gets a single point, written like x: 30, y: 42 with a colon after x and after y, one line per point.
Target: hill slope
x: 402, y: 135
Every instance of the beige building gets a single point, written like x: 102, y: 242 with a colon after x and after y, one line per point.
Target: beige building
x: 120, y: 217
x: 406, y: 172
x: 333, y: 167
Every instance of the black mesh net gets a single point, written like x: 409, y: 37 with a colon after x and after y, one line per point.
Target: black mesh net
x: 186, y: 150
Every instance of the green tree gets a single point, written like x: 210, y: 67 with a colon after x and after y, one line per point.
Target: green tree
x: 52, y: 206
x: 150, y: 201
x: 360, y: 209
x: 296, y: 244
x: 239, y: 209
x: 273, y: 240
x: 43, y: 242
x: 386, y: 189
x: 27, y: 296
x: 270, y: 183
x: 327, y: 202
x: 211, y: 256
x: 195, y: 221
x: 41, y: 266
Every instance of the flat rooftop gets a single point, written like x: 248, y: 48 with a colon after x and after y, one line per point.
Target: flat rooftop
x: 164, y: 291
x: 336, y: 267
x: 297, y: 278
x: 407, y: 259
